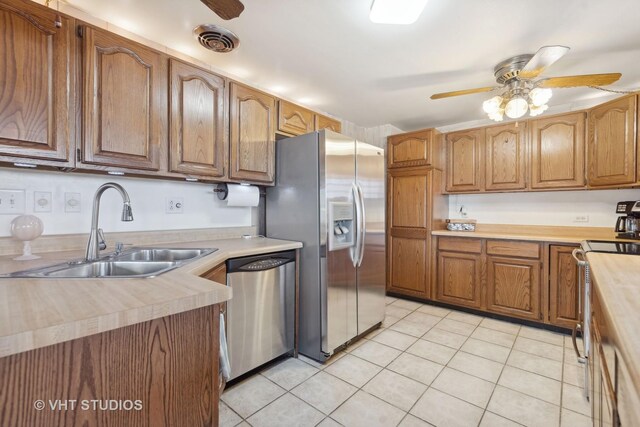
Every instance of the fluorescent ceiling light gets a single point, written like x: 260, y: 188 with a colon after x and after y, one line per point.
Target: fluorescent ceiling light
x: 401, y: 12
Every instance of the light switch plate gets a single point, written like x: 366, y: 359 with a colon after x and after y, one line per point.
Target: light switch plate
x: 11, y: 202
x: 42, y: 201
x: 175, y: 205
x: 72, y: 202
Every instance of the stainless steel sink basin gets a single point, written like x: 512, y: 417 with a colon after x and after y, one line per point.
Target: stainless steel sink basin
x: 161, y: 254
x: 112, y: 269
x: 135, y: 262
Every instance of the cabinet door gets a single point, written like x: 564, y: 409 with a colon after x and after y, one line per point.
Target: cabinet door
x: 293, y: 119
x: 36, y: 84
x: 324, y: 122
x: 465, y: 162
x: 557, y: 151
x: 513, y: 287
x: 124, y: 107
x: 408, y: 232
x: 612, y: 143
x: 197, y: 121
x: 563, y: 287
x: 505, y: 154
x: 252, y: 134
x: 458, y: 279
x: 411, y: 149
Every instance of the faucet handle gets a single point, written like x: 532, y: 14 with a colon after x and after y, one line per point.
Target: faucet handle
x: 102, y: 243
x: 120, y: 247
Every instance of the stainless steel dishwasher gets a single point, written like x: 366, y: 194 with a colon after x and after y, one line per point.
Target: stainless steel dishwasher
x: 261, y: 313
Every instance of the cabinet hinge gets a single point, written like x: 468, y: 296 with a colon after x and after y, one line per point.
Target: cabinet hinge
x: 78, y: 155
x: 80, y: 31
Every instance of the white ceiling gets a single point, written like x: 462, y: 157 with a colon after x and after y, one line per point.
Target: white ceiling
x: 328, y: 55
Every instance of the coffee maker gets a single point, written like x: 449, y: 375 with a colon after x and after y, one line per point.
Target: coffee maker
x: 628, y: 225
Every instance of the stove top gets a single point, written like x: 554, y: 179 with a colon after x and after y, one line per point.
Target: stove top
x: 628, y: 248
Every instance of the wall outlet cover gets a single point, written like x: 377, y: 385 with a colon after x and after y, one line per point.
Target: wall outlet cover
x: 72, y: 202
x: 42, y: 201
x: 581, y: 218
x: 175, y: 205
x: 12, y: 202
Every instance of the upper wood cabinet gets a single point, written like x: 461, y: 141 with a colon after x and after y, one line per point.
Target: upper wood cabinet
x: 414, y: 149
x: 252, y: 119
x: 124, y: 108
x: 557, y: 151
x: 324, y: 122
x: 198, y: 132
x: 563, y: 287
x: 465, y: 160
x: 505, y: 157
x: 612, y: 143
x: 37, y: 84
x: 293, y: 119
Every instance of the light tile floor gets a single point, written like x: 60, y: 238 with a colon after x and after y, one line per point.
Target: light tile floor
x: 426, y: 366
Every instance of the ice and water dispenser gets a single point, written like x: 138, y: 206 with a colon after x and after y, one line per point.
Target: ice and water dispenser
x: 341, y: 225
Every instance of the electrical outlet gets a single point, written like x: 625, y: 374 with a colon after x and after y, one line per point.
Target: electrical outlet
x: 42, y: 201
x: 581, y: 218
x: 175, y: 205
x: 72, y: 202
x: 11, y: 202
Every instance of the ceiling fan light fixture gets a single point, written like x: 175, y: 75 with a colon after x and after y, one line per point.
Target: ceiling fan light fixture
x: 398, y: 12
x: 516, y: 107
x: 535, y: 110
x: 492, y: 105
x: 540, y: 96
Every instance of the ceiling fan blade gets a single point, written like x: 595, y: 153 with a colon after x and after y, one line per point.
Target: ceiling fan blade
x: 582, y: 80
x: 544, y: 57
x: 225, y: 9
x: 464, y: 92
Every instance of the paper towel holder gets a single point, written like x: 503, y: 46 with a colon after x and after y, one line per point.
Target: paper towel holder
x: 222, y: 190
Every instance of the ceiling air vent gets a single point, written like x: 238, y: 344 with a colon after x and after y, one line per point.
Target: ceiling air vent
x: 216, y: 38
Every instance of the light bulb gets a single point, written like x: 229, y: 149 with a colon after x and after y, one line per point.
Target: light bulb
x: 536, y: 111
x: 540, y: 96
x: 492, y: 105
x: 497, y: 115
x: 516, y: 107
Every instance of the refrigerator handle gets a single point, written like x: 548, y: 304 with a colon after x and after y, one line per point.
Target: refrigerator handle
x: 355, y: 250
x: 362, y: 226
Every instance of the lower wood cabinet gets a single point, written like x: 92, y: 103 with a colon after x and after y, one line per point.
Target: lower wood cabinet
x: 408, y: 272
x: 563, y: 286
x: 459, y: 279
x: 513, y: 287
x: 169, y: 364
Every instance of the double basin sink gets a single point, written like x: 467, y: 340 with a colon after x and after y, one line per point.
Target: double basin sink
x: 134, y: 262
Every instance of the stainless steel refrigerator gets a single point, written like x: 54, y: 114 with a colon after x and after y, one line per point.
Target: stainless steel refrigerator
x: 330, y: 194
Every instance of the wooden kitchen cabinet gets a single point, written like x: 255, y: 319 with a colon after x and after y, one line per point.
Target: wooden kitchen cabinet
x: 324, y: 122
x: 37, y: 85
x: 459, y: 279
x: 198, y: 131
x: 611, y: 159
x: 465, y: 161
x: 505, y: 148
x: 420, y: 148
x: 293, y: 119
x: 124, y: 103
x: 514, y: 287
x: 170, y: 364
x: 563, y: 287
x: 557, y: 151
x: 252, y: 120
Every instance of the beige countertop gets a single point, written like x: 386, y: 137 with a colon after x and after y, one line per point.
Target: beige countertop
x: 617, y: 278
x: 40, y: 312
x: 533, y: 233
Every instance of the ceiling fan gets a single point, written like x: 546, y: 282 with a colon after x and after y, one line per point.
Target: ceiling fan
x: 225, y: 9
x: 520, y: 89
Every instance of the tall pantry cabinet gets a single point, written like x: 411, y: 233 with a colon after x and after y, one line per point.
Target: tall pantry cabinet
x: 415, y: 206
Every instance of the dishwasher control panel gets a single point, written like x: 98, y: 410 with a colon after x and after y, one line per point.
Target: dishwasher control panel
x: 264, y: 264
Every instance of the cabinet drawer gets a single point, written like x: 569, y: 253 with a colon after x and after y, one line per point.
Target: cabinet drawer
x: 511, y: 248
x: 460, y: 244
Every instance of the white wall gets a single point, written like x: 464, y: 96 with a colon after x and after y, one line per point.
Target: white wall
x: 374, y: 135
x: 202, y: 209
x: 545, y: 208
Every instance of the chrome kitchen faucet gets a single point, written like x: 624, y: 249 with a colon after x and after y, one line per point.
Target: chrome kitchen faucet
x: 96, y: 237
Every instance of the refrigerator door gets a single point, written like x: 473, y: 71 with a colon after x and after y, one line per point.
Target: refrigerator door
x: 338, y: 224
x: 371, y: 273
